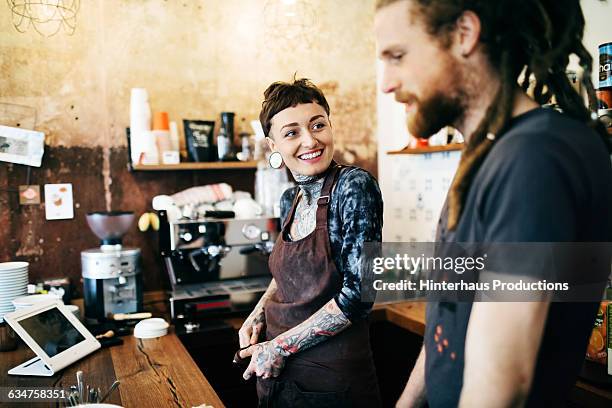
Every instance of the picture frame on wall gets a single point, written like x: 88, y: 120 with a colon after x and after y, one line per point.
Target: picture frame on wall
x: 21, y: 146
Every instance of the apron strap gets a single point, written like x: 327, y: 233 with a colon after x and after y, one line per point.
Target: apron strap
x: 291, y: 212
x: 323, y: 200
x: 325, y: 197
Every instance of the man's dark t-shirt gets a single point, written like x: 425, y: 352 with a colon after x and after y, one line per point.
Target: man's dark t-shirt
x: 548, y: 178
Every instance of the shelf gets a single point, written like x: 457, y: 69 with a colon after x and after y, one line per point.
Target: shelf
x: 197, y: 166
x: 429, y: 149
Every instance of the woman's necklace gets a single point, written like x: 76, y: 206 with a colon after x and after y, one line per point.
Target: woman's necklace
x: 305, y: 219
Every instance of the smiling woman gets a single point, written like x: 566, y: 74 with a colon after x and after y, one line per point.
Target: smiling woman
x: 304, y: 139
x: 296, y: 123
x: 316, y: 349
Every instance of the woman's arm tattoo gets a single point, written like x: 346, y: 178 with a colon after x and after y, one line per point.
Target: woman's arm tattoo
x: 257, y: 315
x: 326, y: 322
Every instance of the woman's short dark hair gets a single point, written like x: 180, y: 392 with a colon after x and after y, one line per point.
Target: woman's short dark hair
x: 282, y: 95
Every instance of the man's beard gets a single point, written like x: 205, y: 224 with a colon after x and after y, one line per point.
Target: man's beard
x: 434, y: 113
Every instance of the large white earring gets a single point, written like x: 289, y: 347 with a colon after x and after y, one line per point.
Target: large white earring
x: 275, y: 160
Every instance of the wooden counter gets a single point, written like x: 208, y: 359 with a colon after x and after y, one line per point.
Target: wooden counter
x: 153, y: 373
x: 407, y: 315
x: 160, y: 372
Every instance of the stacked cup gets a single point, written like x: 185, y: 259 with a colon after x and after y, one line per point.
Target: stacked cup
x: 142, y: 141
x: 140, y: 112
x: 13, y: 284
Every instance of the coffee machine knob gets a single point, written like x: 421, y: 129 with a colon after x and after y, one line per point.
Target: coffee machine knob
x: 187, y: 236
x: 122, y: 280
x: 251, y: 231
x: 191, y: 326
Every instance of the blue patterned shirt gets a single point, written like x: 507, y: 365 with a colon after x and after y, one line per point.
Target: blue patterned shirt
x: 355, y: 217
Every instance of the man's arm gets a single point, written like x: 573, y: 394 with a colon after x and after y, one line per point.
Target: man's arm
x: 501, y: 348
x: 414, y: 394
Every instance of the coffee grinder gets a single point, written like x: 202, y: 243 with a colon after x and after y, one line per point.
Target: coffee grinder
x: 112, y: 280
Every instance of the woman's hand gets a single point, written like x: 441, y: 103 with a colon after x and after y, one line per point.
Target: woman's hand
x: 251, y: 329
x: 266, y: 360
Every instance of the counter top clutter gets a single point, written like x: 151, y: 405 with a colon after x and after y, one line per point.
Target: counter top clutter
x: 152, y: 373
x: 160, y: 372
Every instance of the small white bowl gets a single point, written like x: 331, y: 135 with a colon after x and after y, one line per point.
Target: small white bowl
x: 30, y: 300
x: 151, y: 328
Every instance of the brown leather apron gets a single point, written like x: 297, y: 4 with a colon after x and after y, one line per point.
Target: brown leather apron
x: 339, y: 371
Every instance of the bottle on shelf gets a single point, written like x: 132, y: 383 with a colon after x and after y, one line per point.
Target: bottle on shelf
x: 161, y: 133
x: 245, y: 153
x: 223, y: 145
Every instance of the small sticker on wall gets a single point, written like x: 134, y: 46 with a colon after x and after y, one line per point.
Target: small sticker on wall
x: 29, y: 195
x: 58, y: 201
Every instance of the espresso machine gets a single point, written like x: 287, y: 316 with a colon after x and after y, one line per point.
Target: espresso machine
x: 112, y: 280
x: 216, y: 265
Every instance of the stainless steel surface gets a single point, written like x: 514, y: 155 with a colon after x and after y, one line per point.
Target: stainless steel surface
x: 107, y: 393
x: 79, y: 377
x: 242, y: 294
x: 191, y: 326
x: 210, y: 249
x: 111, y: 273
x: 191, y: 233
x: 234, y: 287
x: 111, y: 281
x: 217, y: 264
x: 99, y: 264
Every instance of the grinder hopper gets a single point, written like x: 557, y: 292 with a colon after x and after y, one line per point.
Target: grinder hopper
x: 110, y: 226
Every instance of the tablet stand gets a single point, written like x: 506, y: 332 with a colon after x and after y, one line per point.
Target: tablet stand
x: 34, y: 366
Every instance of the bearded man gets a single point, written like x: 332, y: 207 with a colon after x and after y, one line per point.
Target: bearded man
x: 527, y: 174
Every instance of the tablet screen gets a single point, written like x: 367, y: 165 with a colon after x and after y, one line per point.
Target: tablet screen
x: 52, y: 331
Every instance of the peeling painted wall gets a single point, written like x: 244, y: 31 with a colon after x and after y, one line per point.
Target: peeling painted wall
x: 53, y: 247
x: 196, y: 58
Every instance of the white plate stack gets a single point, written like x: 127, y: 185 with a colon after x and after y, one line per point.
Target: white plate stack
x: 151, y: 328
x: 13, y: 284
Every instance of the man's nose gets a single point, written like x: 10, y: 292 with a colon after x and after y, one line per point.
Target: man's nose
x: 389, y: 82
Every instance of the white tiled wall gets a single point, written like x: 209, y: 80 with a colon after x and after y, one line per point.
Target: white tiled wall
x: 414, y: 197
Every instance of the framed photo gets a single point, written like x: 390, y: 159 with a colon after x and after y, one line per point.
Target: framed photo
x: 21, y: 146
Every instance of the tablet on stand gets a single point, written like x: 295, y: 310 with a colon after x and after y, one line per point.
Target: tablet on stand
x: 54, y: 334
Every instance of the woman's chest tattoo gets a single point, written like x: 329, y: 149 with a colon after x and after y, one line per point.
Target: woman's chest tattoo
x: 305, y: 219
